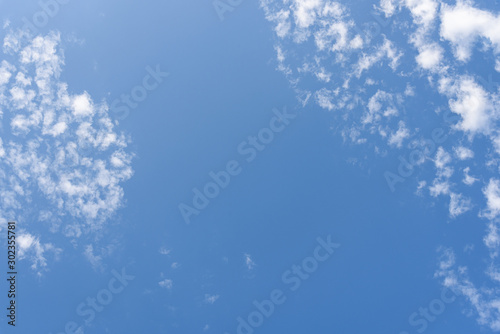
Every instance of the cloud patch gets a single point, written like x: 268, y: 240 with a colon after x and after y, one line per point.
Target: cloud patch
x: 60, y: 151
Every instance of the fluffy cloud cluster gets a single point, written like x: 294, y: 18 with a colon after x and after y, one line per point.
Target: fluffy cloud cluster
x: 371, y: 73
x: 346, y: 49
x: 61, y: 158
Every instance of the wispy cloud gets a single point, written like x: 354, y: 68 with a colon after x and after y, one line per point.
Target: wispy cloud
x: 250, y: 264
x: 210, y: 299
x: 30, y: 247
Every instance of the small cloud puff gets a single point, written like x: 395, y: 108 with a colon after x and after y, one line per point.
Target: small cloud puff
x: 250, y: 264
x: 166, y: 284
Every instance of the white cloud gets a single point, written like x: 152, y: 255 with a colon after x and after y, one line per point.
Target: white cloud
x: 325, y: 98
x: 472, y: 103
x: 57, y: 146
x: 388, y: 7
x: 468, y: 180
x: 439, y: 188
x: 423, y: 11
x: 210, y: 299
x: 492, y: 241
x: 492, y: 194
x: 459, y: 205
x: 410, y: 90
x: 383, y: 51
x: 82, y: 105
x: 463, y: 153
x: 373, y: 101
x: 95, y: 260
x: 249, y: 262
x: 484, y: 301
x: 396, y: 139
x: 6, y: 72
x: 381, y: 104
x: 354, y: 135
x: 30, y: 247
x: 462, y: 25
x: 325, y: 21
x: 164, y: 251
x: 166, y: 284
x: 430, y: 56
x: 306, y: 11
x: 421, y: 185
x: 336, y: 38
x: 442, y: 158
x: 441, y: 184
x: 79, y: 175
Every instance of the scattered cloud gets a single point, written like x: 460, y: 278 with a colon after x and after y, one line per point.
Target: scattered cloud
x: 250, y: 264
x: 166, y: 284
x: 210, y: 299
x: 492, y: 194
x: 164, y: 251
x: 30, y: 247
x: 57, y: 146
x: 463, y: 153
x: 396, y: 139
x: 373, y: 103
x: 95, y: 260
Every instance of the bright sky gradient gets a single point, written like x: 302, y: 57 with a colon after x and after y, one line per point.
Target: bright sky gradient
x: 271, y: 166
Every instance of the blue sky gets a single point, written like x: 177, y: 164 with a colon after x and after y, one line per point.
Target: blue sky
x: 252, y: 167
